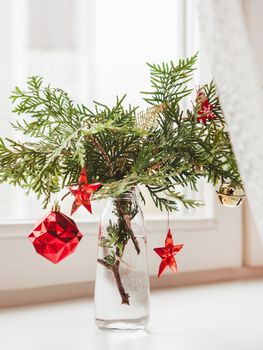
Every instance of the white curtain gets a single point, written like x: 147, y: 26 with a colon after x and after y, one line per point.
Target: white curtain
x: 232, y: 30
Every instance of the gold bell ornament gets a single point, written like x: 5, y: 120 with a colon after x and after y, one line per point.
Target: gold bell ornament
x: 231, y: 196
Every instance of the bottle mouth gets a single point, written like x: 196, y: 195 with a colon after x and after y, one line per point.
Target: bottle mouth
x: 128, y: 195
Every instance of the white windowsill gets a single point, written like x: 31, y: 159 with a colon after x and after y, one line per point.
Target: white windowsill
x: 204, y: 249
x: 221, y: 316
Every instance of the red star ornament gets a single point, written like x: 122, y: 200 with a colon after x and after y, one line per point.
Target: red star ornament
x: 83, y: 192
x: 167, y: 254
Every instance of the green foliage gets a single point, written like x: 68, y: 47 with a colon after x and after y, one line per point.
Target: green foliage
x: 110, y: 259
x: 116, y: 238
x: 114, y: 148
x: 169, y: 81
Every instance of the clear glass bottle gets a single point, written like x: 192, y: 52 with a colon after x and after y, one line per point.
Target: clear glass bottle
x: 122, y: 282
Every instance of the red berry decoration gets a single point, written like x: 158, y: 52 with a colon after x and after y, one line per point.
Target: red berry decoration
x: 56, y: 236
x: 83, y: 192
x: 205, y: 109
x: 167, y: 253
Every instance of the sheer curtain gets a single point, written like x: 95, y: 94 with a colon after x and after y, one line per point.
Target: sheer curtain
x: 233, y: 34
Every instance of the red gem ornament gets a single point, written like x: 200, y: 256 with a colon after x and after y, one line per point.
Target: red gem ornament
x: 167, y: 253
x: 55, y: 237
x: 205, y: 109
x: 83, y: 192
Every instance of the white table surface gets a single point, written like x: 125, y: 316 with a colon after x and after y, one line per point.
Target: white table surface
x: 225, y: 316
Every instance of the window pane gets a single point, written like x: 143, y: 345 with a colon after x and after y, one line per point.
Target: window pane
x: 51, y: 24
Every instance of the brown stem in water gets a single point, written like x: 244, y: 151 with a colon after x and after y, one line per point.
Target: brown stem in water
x: 129, y: 229
x: 124, y: 227
x: 116, y: 272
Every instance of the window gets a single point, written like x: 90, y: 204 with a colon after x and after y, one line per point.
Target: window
x: 73, y: 53
x: 96, y: 50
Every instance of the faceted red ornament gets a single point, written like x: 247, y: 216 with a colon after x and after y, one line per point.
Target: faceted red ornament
x: 55, y: 237
x: 167, y: 253
x: 83, y: 192
x: 205, y: 109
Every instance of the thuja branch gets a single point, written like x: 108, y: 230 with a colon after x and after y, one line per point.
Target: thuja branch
x: 119, y: 147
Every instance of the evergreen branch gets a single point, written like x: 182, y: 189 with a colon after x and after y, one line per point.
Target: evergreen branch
x: 119, y: 147
x: 169, y: 81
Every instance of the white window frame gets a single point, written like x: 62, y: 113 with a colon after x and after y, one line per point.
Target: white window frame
x: 253, y: 245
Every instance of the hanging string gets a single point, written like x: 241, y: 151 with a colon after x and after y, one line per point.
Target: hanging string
x: 168, y: 220
x: 168, y: 215
x: 54, y: 200
x: 55, y: 203
x: 55, y: 197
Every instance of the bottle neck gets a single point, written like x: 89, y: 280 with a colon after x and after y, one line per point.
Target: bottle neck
x: 131, y: 195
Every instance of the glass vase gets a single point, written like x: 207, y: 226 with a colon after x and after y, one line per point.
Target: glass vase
x: 122, y: 282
